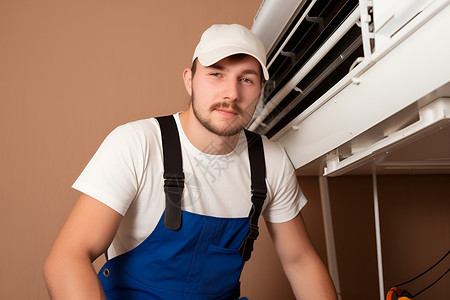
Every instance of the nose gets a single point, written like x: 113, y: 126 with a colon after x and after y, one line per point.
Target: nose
x: 230, y: 90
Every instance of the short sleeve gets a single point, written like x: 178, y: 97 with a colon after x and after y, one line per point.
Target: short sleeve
x: 286, y: 197
x: 111, y: 176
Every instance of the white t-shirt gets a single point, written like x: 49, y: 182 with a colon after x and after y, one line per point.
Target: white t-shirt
x: 126, y: 174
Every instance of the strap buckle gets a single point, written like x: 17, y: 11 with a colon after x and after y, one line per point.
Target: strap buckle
x: 259, y: 193
x: 246, y: 248
x: 173, y: 180
x: 173, y: 188
x: 253, y: 232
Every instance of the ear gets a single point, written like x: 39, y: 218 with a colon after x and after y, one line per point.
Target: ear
x: 187, y: 78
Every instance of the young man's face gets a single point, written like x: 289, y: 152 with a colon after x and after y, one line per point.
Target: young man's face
x: 225, y: 95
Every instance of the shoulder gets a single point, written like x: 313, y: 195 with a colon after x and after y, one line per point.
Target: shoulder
x: 270, y: 145
x: 141, y: 128
x: 136, y: 132
x: 275, y: 156
x: 279, y: 167
x: 275, y: 151
x: 285, y: 198
x: 137, y: 138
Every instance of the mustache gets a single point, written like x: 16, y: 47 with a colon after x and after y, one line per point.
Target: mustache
x: 233, y: 106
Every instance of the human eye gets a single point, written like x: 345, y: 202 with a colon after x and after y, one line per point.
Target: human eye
x: 247, y: 80
x: 214, y: 74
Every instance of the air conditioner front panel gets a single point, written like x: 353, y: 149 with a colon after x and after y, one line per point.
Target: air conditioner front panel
x: 389, y: 81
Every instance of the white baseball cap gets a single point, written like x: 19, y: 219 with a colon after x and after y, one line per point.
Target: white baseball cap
x: 220, y: 41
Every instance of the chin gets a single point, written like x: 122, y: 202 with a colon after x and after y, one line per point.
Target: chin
x: 226, y: 130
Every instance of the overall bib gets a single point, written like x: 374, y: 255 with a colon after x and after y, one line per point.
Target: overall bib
x: 188, y: 256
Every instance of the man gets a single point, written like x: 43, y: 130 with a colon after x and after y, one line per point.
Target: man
x: 175, y: 200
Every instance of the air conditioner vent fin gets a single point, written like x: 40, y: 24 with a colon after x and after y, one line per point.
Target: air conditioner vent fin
x: 332, y: 68
x: 304, y: 42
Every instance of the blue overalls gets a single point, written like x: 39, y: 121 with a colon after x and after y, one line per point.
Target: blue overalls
x: 188, y: 256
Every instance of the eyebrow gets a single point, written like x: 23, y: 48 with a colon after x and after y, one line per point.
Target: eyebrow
x: 245, y: 72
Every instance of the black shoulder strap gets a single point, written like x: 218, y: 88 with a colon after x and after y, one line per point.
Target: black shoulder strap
x: 173, y: 171
x: 259, y: 190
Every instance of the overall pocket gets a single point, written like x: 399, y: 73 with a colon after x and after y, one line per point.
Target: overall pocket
x: 222, y: 270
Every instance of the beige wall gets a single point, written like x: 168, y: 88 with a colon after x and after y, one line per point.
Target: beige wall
x: 71, y: 71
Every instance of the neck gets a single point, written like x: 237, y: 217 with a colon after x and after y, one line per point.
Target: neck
x: 203, y: 139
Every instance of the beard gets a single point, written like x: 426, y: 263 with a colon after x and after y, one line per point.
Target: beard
x: 232, y: 129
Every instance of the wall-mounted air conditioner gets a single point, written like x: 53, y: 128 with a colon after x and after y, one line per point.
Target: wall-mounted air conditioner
x: 353, y: 82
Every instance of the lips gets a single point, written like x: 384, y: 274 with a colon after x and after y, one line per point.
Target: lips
x: 226, y: 112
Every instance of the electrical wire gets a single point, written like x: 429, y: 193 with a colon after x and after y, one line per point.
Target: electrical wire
x: 423, y: 273
x: 440, y: 277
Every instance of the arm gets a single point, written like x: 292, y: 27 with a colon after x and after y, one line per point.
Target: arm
x: 304, y: 269
x: 87, y: 233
